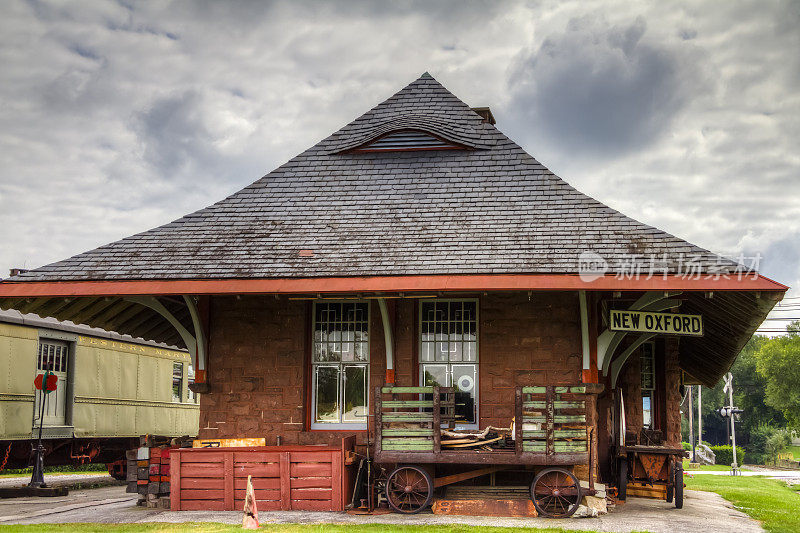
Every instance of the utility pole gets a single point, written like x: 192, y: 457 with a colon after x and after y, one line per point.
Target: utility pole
x: 732, y: 413
x: 699, y: 414
x: 691, y: 420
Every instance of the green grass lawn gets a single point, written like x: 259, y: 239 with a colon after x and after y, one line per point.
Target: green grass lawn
x: 795, y: 451
x: 772, y: 502
x: 279, y: 528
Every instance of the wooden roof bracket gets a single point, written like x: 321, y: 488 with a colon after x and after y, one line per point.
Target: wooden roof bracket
x: 619, y: 362
x: 195, y: 341
x: 608, y: 341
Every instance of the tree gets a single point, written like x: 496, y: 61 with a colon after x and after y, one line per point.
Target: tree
x: 749, y: 394
x: 778, y: 361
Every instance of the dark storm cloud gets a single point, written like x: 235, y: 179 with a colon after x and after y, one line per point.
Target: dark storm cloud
x: 600, y: 88
x: 173, y: 133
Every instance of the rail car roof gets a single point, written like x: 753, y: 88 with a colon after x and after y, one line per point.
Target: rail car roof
x: 12, y: 316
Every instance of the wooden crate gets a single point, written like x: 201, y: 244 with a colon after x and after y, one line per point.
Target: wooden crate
x: 409, y: 418
x: 301, y: 478
x: 554, y: 419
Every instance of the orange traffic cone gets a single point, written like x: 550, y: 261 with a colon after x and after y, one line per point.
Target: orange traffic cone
x: 250, y: 518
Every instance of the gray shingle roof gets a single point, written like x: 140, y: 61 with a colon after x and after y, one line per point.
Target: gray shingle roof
x: 489, y: 209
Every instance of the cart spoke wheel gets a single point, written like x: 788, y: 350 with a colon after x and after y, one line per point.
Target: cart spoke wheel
x: 677, y: 481
x: 556, y: 493
x: 409, y: 489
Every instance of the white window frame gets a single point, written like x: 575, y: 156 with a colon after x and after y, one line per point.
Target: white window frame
x: 338, y: 426
x: 449, y: 363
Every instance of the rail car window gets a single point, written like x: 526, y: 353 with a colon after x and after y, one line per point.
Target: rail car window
x: 648, y: 383
x: 177, y: 381
x: 449, y: 352
x: 52, y: 357
x: 340, y: 365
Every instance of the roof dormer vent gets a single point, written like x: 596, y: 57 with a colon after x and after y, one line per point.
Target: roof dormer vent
x: 407, y: 140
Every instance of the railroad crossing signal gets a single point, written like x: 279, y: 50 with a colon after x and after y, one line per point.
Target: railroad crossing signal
x: 726, y: 412
x: 46, y: 382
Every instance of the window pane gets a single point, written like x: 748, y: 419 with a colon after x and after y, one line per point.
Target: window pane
x: 647, y: 413
x: 355, y: 394
x: 434, y: 375
x: 464, y: 381
x: 177, y: 381
x: 326, y: 395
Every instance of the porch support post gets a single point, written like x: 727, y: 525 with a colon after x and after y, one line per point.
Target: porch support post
x: 199, y: 359
x: 589, y: 373
x: 191, y: 341
x: 388, y: 340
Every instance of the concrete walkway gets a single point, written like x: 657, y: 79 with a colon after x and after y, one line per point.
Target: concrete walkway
x: 703, y: 511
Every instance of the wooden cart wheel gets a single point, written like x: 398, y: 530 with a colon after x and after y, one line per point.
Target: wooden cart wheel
x: 677, y: 481
x: 556, y: 493
x: 409, y: 489
x: 622, y: 480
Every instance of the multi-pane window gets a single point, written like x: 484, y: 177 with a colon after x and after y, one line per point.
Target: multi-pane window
x: 340, y: 361
x: 52, y: 357
x: 177, y: 381
x: 449, y: 352
x: 648, y: 366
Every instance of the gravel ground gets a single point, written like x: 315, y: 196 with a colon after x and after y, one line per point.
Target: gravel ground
x: 89, y: 479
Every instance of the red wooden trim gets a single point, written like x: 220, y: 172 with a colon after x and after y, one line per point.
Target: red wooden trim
x: 456, y: 282
x: 337, y: 503
x: 175, y: 482
x: 228, y: 477
x: 426, y: 149
x: 285, y: 482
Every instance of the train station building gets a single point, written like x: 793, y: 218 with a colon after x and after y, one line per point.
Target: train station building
x: 416, y: 246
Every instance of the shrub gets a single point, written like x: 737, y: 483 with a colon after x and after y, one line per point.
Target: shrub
x: 725, y: 454
x: 777, y: 444
x: 686, y: 446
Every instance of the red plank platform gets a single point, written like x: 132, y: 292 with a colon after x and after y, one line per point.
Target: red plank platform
x: 302, y: 478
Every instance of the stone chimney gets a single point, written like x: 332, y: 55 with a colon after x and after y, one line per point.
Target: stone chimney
x: 486, y: 114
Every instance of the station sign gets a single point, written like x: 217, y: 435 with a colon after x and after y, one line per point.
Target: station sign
x: 660, y: 323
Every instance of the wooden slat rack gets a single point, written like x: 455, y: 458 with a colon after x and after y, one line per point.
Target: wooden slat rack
x: 550, y: 426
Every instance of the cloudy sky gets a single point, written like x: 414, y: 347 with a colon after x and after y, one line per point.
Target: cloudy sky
x: 118, y: 116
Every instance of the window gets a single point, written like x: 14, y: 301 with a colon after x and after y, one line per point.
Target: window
x: 340, y: 364
x: 449, y: 352
x: 177, y: 381
x: 648, y: 384
x: 52, y: 356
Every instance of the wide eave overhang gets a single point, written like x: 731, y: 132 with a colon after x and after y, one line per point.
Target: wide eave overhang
x: 733, y: 306
x: 327, y: 285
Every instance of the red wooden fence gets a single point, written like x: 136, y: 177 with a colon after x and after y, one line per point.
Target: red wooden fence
x: 307, y: 478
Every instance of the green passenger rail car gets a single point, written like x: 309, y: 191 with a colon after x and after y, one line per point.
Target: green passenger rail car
x: 111, y: 390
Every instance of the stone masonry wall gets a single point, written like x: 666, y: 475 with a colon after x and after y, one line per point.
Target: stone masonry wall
x: 258, y: 350
x: 525, y: 342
